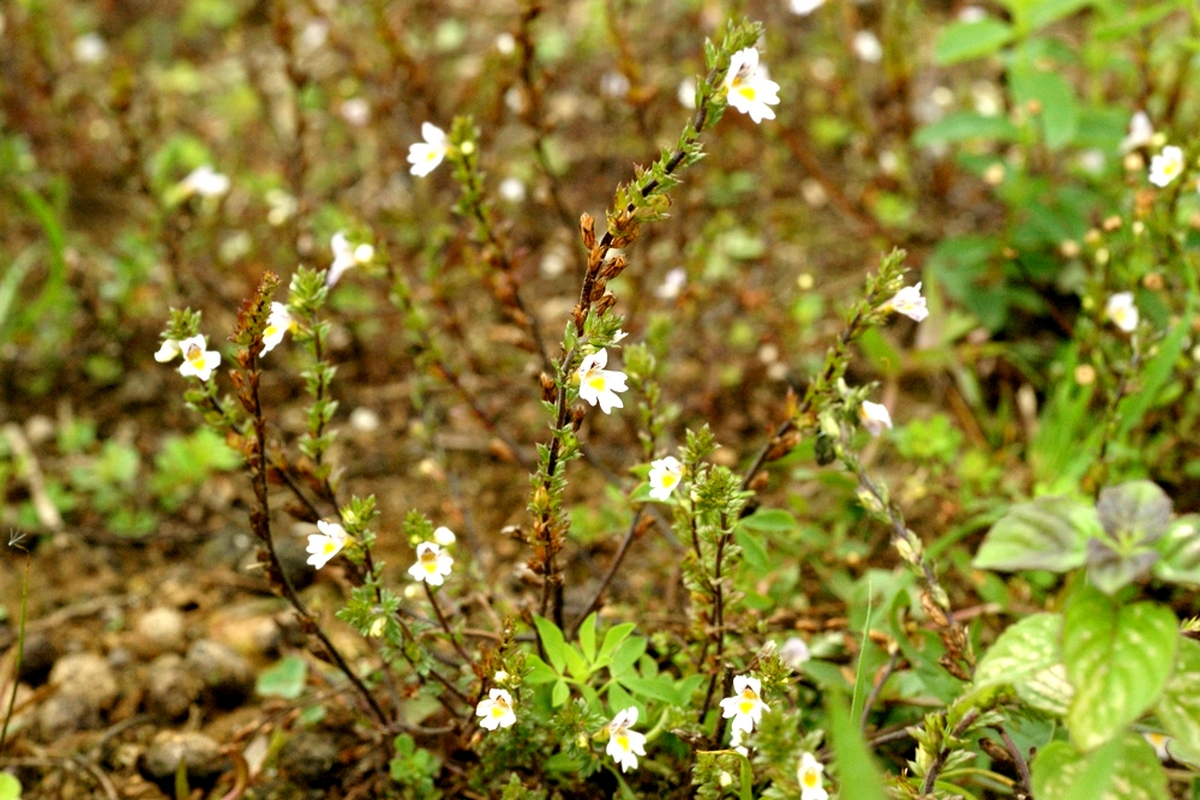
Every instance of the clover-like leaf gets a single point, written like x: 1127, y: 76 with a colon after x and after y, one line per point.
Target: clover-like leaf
x: 1049, y: 533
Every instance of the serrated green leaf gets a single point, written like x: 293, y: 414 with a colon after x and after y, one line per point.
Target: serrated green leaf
x: 616, y: 634
x: 963, y: 41
x: 587, y: 637
x: 1048, y: 533
x: 626, y: 656
x: 1124, y: 769
x: 1180, y: 549
x: 661, y: 688
x: 285, y: 679
x: 1117, y: 658
x: 1179, y: 706
x: 552, y: 642
x: 1022, y: 651
x: 560, y: 693
x: 541, y: 672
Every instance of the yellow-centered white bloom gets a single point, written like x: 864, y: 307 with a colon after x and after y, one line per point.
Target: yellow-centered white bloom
x: 168, y: 351
x: 278, y: 323
x: 444, y: 536
x: 665, y: 474
x: 345, y: 256
x: 598, y: 385
x: 909, y: 302
x: 325, y: 545
x: 745, y: 707
x: 808, y: 775
x: 1166, y: 166
x: 1122, y: 311
x: 748, y: 88
x: 204, y: 181
x: 496, y: 710
x: 432, y: 565
x: 874, y: 417
x: 625, y: 745
x: 425, y: 156
x: 197, y: 361
x: 1141, y: 132
x: 1159, y: 742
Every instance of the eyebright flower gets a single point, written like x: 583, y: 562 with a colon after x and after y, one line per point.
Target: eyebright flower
x: 748, y: 88
x: 444, y: 536
x: 600, y: 385
x: 204, y: 181
x: 1141, y: 132
x: 1122, y: 311
x: 625, y: 745
x: 197, y: 361
x: 168, y: 351
x: 325, y: 545
x: 1166, y: 166
x: 665, y: 474
x: 345, y: 256
x: 909, y: 302
x: 745, y: 706
x: 1159, y: 742
x: 278, y: 323
x: 432, y: 564
x: 425, y: 156
x: 874, y: 417
x: 496, y: 710
x: 808, y: 775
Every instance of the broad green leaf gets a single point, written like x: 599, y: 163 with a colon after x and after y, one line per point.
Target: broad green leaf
x: 1124, y: 769
x: 1058, y: 110
x: 771, y: 520
x: 552, y: 642
x: 860, y: 776
x: 1048, y: 533
x: 285, y: 679
x: 1048, y: 690
x: 1136, y: 510
x: 1112, y: 566
x: 560, y: 693
x: 1180, y: 549
x: 10, y: 787
x: 1022, y: 651
x: 626, y: 656
x: 587, y: 637
x: 963, y: 126
x: 541, y: 672
x: 754, y: 553
x: 963, y: 41
x: 1179, y: 706
x: 1117, y: 658
x: 661, y: 688
x: 576, y: 664
x: 614, y: 637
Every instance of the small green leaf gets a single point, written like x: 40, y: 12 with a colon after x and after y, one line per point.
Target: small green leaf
x: 1124, y: 769
x: 754, y: 552
x: 285, y: 679
x: 1049, y: 533
x: 771, y: 520
x: 1022, y: 651
x: 541, y: 672
x: 1179, y: 706
x: 560, y: 693
x: 1180, y: 549
x: 577, y: 665
x: 552, y: 642
x: 10, y: 787
x: 963, y: 41
x: 587, y: 637
x: 614, y: 637
x: 626, y: 656
x: 661, y: 688
x: 1117, y: 658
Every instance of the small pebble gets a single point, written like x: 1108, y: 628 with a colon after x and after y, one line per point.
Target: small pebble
x: 226, y: 675
x: 309, y: 758
x: 171, y: 687
x: 200, y: 753
x: 162, y: 630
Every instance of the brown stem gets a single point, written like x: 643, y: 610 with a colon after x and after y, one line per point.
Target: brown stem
x: 1025, y: 779
x: 437, y: 610
x: 877, y: 688
x: 630, y: 534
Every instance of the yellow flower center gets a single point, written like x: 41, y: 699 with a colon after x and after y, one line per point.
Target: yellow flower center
x: 195, y: 355
x: 669, y: 479
x: 747, y: 91
x: 597, y: 382
x: 810, y: 778
x: 622, y: 741
x: 329, y: 546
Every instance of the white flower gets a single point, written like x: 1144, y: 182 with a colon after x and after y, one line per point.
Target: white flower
x: 600, y: 385
x: 665, y: 474
x: 909, y: 302
x: 204, y: 181
x: 1166, y: 166
x: 672, y: 284
x: 89, y: 49
x: 444, y: 536
x: 625, y: 745
x: 1159, y: 742
x: 198, y: 362
x: 1122, y: 311
x: 686, y: 93
x: 808, y: 775
x: 432, y: 564
x: 867, y: 47
x: 325, y: 545
x: 805, y: 7
x: 512, y: 190
x: 496, y: 710
x: 356, y: 111
x: 168, y: 351
x: 425, y: 156
x: 874, y: 417
x: 345, y: 256
x: 278, y: 323
x: 746, y: 707
x: 794, y: 653
x: 1141, y: 132
x: 748, y: 88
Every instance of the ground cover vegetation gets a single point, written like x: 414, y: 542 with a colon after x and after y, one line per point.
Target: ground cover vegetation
x: 605, y: 398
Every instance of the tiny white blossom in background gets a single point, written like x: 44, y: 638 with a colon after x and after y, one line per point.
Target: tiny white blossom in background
x: 325, y: 545
x: 345, y: 256
x: 512, y: 190
x: 1122, y: 311
x: 672, y: 284
x: 506, y: 44
x: 197, y: 361
x: 278, y: 323
x: 972, y: 14
x: 204, y: 181
x: 283, y: 206
x: 168, y: 351
x: 1166, y: 166
x: 805, y: 7
x: 665, y: 474
x: 625, y: 745
x: 874, y: 417
x: 1159, y: 742
x: 748, y: 88
x: 909, y: 302
x: 867, y: 47
x: 794, y: 653
x: 496, y: 710
x: 444, y: 536
x: 425, y: 156
x: 598, y: 385
x: 686, y: 93
x: 356, y: 111
x: 90, y: 49
x: 1141, y: 132
x: 432, y: 565
x: 808, y: 775
x: 746, y: 706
